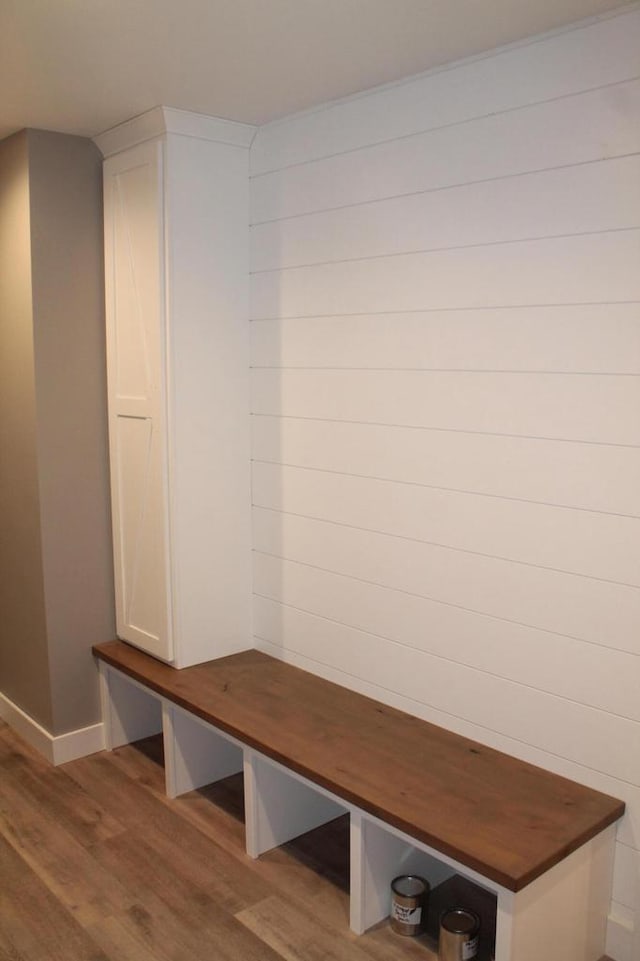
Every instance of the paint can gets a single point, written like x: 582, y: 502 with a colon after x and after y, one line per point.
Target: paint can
x: 459, y: 935
x: 409, y: 894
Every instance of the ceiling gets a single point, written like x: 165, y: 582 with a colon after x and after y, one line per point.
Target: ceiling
x: 82, y: 66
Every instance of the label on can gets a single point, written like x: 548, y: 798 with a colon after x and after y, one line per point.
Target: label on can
x: 470, y: 949
x: 408, y: 915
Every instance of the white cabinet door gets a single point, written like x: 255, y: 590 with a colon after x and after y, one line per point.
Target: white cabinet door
x: 134, y: 257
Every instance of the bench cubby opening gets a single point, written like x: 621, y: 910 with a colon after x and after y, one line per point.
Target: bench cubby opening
x: 383, y: 853
x: 130, y: 711
x: 326, y: 851
x: 281, y: 805
x: 196, y: 754
x: 459, y: 891
x: 377, y: 857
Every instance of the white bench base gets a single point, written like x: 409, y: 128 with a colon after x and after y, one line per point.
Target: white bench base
x: 560, y: 916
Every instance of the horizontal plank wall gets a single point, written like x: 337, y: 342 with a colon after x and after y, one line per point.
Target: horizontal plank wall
x: 446, y: 405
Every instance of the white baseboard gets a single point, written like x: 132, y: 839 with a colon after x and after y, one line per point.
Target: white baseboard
x: 56, y: 749
x: 620, y: 939
x: 80, y: 743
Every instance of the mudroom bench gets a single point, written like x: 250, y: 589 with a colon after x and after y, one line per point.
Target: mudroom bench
x: 421, y: 799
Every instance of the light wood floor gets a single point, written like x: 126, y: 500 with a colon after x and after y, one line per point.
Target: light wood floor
x: 96, y: 864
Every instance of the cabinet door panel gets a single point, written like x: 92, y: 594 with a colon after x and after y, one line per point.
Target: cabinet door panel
x: 135, y: 325
x: 136, y: 290
x: 141, y: 554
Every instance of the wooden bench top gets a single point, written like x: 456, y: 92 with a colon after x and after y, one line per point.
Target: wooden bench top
x: 505, y: 818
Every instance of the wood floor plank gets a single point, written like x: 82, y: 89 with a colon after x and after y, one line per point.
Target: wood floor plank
x: 143, y: 762
x: 298, y: 936
x: 222, y: 939
x: 7, y: 951
x: 34, y: 921
x: 182, y: 929
x: 295, y: 935
x: 382, y: 944
x: 118, y: 941
x: 144, y: 932
x: 97, y: 776
x: 67, y: 868
x: 218, y: 811
x: 72, y: 807
x: 314, y: 870
x: 162, y: 870
x: 231, y: 885
x: 152, y: 821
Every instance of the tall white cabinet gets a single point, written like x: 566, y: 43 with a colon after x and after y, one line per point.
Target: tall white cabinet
x: 176, y: 261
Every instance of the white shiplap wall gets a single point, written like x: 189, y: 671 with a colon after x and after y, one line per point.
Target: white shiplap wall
x: 446, y: 405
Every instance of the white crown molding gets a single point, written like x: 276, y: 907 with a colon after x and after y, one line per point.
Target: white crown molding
x: 57, y: 750
x: 162, y: 120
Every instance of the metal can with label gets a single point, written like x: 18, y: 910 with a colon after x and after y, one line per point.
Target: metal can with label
x: 459, y: 935
x: 409, y: 895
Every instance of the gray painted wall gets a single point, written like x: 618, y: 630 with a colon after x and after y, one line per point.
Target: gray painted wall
x: 70, y: 575
x: 69, y: 341
x: 24, y: 663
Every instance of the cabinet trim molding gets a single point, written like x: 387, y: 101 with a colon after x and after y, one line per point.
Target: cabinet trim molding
x: 163, y: 120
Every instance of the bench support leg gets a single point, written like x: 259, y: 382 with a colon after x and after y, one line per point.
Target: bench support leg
x: 358, y: 882
x: 562, y: 915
